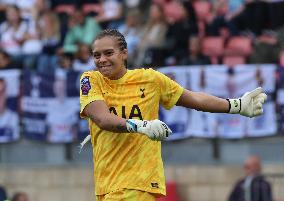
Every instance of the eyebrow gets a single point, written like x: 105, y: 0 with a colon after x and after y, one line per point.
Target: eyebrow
x: 103, y: 50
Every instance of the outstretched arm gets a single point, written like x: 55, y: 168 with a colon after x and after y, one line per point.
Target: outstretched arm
x: 203, y: 102
x: 250, y: 104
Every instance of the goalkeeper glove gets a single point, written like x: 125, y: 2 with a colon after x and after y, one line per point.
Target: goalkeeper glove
x: 250, y: 104
x: 155, y: 129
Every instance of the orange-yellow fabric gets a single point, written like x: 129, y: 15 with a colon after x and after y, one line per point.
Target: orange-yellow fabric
x: 126, y: 195
x: 128, y: 160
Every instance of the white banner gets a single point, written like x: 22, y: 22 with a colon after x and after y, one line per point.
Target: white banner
x: 224, y: 82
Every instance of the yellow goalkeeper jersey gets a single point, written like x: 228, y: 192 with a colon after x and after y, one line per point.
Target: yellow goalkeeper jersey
x: 128, y: 160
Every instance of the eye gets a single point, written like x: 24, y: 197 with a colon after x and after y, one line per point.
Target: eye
x: 96, y: 55
x: 109, y: 53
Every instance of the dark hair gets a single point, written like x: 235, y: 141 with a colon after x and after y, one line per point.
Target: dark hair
x: 117, y: 35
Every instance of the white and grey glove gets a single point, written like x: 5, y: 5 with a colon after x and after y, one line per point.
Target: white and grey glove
x: 250, y: 104
x: 154, y: 129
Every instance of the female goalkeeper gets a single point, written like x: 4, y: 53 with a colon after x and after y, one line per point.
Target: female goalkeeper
x: 122, y: 106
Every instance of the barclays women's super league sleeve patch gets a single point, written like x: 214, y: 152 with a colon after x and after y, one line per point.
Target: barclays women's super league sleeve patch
x: 85, y: 85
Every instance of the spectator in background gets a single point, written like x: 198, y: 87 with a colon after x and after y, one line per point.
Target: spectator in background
x: 65, y: 62
x: 179, y: 32
x: 194, y: 55
x: 219, y: 24
x: 110, y: 15
x: 5, y: 61
x: 153, y: 33
x: 252, y: 18
x: 49, y: 28
x: 83, y: 60
x: 20, y: 196
x: 13, y: 32
x: 253, y: 187
x: 82, y: 29
x: 131, y: 30
x: 267, y: 47
x: 173, y: 10
x: 3, y: 194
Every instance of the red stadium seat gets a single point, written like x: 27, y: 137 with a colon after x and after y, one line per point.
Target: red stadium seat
x: 65, y: 8
x: 239, y: 46
x: 233, y: 60
x: 91, y: 8
x: 202, y: 9
x: 172, y: 194
x: 213, y: 47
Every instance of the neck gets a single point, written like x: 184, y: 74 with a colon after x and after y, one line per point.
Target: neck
x: 120, y: 74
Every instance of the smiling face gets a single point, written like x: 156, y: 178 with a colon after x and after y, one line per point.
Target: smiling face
x: 109, y: 57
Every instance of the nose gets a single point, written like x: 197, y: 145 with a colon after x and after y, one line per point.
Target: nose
x: 102, y: 59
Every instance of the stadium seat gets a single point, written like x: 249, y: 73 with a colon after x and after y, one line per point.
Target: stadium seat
x: 239, y: 46
x: 172, y: 194
x: 91, y: 8
x: 213, y: 47
x: 65, y: 8
x: 202, y: 9
x: 233, y: 60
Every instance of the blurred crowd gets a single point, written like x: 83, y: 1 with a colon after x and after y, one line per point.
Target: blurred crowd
x: 50, y: 34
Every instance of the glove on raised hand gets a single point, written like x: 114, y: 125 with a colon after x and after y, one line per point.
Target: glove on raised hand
x: 250, y: 104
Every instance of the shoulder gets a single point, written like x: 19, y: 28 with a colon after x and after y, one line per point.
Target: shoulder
x: 91, y: 76
x: 91, y: 73
x: 261, y: 178
x: 148, y: 73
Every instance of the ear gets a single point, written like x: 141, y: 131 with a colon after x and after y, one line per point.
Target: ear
x: 124, y: 54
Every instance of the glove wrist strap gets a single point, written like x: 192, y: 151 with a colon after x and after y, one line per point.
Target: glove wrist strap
x: 235, y: 105
x: 131, y: 126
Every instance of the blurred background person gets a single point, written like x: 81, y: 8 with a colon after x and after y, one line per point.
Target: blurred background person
x: 65, y: 62
x: 49, y: 29
x: 131, y: 29
x: 179, y: 32
x: 152, y: 34
x: 20, y: 196
x: 194, y: 54
x: 13, y: 32
x: 253, y: 187
x: 82, y: 29
x: 83, y: 58
x: 110, y: 14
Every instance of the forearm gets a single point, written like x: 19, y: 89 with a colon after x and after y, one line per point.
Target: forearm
x: 203, y: 102
x: 110, y: 122
x: 209, y: 103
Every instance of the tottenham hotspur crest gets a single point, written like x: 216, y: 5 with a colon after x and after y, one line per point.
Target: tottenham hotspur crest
x: 142, y: 90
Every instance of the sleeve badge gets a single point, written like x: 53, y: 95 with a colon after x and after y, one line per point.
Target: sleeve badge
x: 85, y: 85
